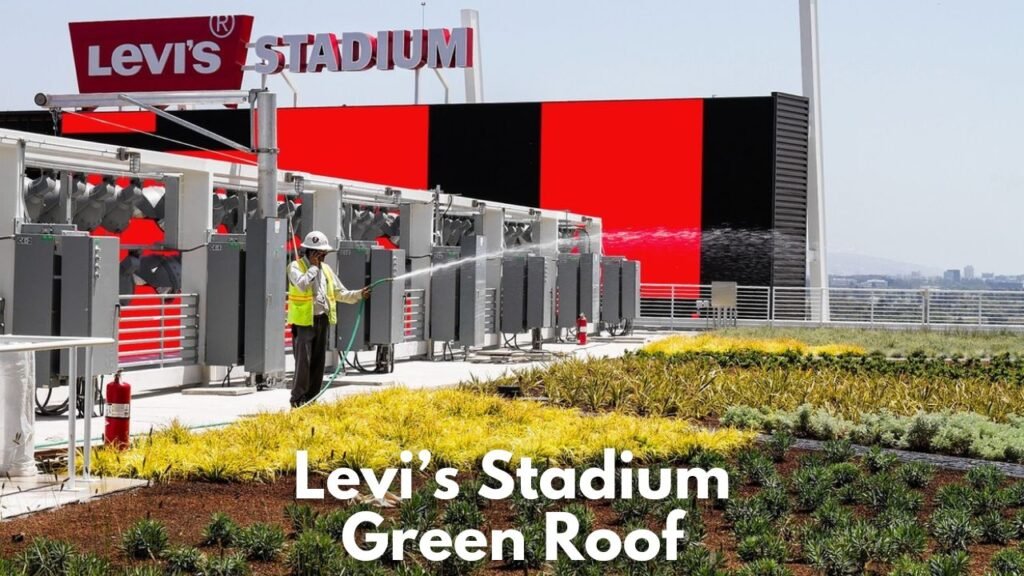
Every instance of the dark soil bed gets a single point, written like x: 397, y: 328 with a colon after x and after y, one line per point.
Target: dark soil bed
x: 186, y: 507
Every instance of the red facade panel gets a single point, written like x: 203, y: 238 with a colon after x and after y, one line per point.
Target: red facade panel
x: 637, y: 165
x: 108, y: 123
x: 380, y: 144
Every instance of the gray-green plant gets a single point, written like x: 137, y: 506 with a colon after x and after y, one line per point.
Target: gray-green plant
x: 314, y: 553
x: 1007, y: 562
x: 877, y: 460
x: 762, y: 546
x: 462, y: 515
x: 811, y: 486
x: 533, y: 547
x: 44, y: 556
x: 915, y: 474
x: 300, y: 517
x: 955, y: 563
x: 260, y: 542
x: 419, y: 511
x: 145, y: 539
x: 994, y: 529
x: 779, y: 444
x: 954, y: 529
x: 220, y: 531
x: 183, y: 561
x: 226, y: 565
x: 838, y: 450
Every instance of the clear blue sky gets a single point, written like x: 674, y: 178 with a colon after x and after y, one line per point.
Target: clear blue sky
x: 923, y: 100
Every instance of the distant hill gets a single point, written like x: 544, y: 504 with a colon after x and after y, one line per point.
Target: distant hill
x: 849, y: 264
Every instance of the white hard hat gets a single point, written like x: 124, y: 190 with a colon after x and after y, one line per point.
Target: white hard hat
x: 316, y: 241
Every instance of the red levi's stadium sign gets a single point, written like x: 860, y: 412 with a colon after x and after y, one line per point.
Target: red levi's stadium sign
x: 209, y: 52
x: 164, y: 54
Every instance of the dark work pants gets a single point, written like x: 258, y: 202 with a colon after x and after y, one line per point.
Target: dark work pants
x: 309, y: 346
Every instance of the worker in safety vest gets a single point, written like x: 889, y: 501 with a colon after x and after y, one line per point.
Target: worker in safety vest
x: 313, y: 291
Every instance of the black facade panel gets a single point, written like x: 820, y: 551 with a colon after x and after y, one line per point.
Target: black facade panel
x: 231, y: 124
x: 737, y: 191
x: 487, y: 151
x: 34, y: 121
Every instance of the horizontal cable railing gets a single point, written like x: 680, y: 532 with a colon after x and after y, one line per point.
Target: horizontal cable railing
x: 491, y: 311
x: 689, y: 305
x: 415, y: 317
x: 157, y: 330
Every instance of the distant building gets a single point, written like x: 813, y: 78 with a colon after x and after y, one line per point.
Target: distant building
x: 987, y: 275
x: 952, y: 275
x: 968, y: 272
x: 842, y: 282
x: 874, y: 283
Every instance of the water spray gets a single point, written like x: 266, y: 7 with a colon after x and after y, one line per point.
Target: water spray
x: 524, y: 249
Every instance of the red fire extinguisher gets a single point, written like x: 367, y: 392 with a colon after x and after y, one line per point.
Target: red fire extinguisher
x: 118, y: 413
x: 581, y: 329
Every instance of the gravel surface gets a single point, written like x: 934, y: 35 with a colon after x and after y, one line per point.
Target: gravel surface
x: 940, y: 460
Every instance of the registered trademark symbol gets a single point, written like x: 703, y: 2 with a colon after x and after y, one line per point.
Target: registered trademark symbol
x: 222, y: 26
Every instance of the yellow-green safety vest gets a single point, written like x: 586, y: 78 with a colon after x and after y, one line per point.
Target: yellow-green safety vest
x: 300, y: 302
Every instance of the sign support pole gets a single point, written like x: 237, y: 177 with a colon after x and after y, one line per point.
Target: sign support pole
x: 266, y: 152
x: 475, y: 73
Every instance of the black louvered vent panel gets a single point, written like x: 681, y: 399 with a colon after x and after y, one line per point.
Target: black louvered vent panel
x: 790, y: 186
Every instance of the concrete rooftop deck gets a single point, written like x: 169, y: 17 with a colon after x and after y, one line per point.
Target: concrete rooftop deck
x: 202, y: 406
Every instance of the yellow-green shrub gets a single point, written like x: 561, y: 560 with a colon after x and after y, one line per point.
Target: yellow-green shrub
x: 699, y: 387
x: 370, y: 430
x: 718, y: 344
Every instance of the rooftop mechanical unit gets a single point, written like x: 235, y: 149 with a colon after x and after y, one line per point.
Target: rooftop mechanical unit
x: 540, y: 291
x: 620, y: 290
x: 527, y: 293
x: 444, y: 294
x: 458, y: 292
x: 590, y: 286
x: 360, y: 263
x: 579, y: 288
x: 567, y: 294
x: 243, y: 316
x: 66, y: 284
x: 472, y: 291
x: 611, y: 289
x: 225, y: 305
x: 629, y: 290
x: 513, y: 295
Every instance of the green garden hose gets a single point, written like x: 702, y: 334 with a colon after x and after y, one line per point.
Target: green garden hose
x: 341, y: 365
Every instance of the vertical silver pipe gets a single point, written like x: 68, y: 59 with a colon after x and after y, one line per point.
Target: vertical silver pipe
x: 72, y: 410
x: 90, y: 400
x: 19, y: 192
x: 266, y: 125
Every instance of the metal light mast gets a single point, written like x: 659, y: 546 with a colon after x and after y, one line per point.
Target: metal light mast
x: 815, y: 170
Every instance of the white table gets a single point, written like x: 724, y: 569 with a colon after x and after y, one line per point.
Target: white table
x: 19, y: 343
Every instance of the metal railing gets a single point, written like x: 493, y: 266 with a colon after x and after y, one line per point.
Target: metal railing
x: 157, y: 330
x: 491, y: 311
x: 414, y: 320
x: 678, y: 306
